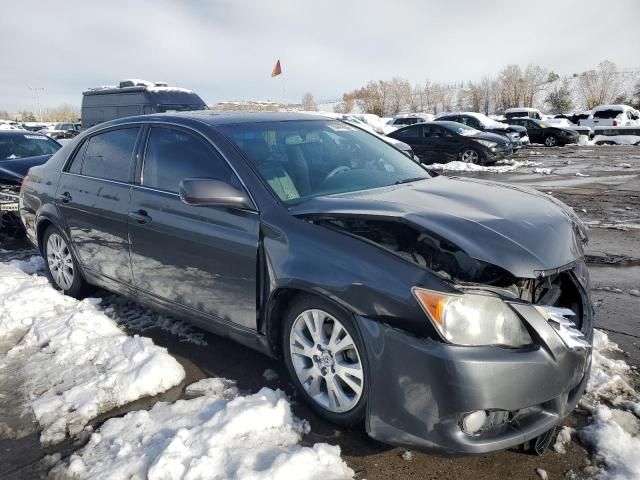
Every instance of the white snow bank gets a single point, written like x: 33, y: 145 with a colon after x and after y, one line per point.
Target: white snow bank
x: 614, y: 432
x: 502, y: 166
x: 218, y: 435
x: 74, y: 362
x: 616, y: 139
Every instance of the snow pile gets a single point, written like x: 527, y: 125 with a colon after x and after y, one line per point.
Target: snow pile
x: 616, y: 139
x: 218, y: 435
x: 614, y: 433
x: 74, y: 363
x: 542, y: 171
x: 500, y: 166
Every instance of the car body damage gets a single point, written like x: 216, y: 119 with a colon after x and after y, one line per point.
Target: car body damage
x: 476, y: 236
x: 525, y: 235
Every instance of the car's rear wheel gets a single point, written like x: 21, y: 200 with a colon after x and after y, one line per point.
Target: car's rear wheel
x: 550, y: 141
x: 470, y: 155
x: 325, y: 356
x: 62, y: 266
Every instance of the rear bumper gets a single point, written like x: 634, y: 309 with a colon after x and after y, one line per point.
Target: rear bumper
x: 422, y: 388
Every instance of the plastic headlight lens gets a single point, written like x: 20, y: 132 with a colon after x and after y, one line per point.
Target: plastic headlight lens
x: 487, y: 143
x: 473, y: 319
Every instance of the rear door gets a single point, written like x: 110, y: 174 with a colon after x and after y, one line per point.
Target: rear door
x: 413, y: 137
x: 535, y: 132
x: 201, y: 258
x: 93, y: 197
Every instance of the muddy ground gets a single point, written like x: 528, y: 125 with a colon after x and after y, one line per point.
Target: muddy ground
x: 608, y: 200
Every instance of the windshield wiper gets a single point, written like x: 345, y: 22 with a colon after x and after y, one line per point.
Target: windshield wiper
x: 409, y: 180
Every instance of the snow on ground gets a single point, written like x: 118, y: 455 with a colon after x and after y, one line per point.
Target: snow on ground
x: 72, y: 362
x: 614, y: 433
x: 217, y: 435
x: 501, y: 166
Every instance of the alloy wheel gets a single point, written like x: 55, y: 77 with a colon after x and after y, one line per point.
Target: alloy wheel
x: 60, y: 261
x: 326, y: 361
x: 550, y: 141
x: 470, y: 156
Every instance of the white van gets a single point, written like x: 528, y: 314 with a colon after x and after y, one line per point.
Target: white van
x: 612, y: 116
x: 520, y: 112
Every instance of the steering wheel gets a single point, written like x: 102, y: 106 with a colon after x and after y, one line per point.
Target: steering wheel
x: 336, y: 171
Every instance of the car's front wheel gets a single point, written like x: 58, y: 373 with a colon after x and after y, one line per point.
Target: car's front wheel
x: 61, y: 264
x: 470, y: 155
x: 550, y: 141
x: 326, y: 359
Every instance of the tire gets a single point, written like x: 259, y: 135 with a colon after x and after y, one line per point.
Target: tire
x: 471, y: 155
x: 550, y: 141
x: 316, y: 372
x: 62, y: 266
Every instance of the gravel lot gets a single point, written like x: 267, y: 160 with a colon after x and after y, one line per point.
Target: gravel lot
x: 606, y: 194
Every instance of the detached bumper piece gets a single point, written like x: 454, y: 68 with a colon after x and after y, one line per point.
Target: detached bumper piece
x: 459, y: 400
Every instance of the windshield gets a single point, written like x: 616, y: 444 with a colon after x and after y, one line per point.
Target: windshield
x: 309, y: 158
x: 23, y: 146
x: 462, y: 129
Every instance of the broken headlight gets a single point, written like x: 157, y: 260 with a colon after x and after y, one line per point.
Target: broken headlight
x: 473, y: 318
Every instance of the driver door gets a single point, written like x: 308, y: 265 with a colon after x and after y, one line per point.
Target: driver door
x: 201, y: 258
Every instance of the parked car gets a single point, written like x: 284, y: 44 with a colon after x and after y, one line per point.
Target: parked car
x: 442, y: 142
x: 400, y: 121
x: 356, y: 122
x: 521, y: 112
x: 135, y: 97
x: 611, y: 116
x: 62, y: 130
x: 515, y: 133
x: 574, y: 118
x: 452, y: 314
x: 546, y: 134
x: 19, y: 151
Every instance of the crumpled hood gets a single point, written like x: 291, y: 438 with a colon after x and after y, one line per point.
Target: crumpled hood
x: 519, y: 229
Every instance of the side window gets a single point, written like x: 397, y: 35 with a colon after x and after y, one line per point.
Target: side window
x: 108, y: 155
x: 173, y: 155
x: 470, y: 122
x: 409, y: 132
x: 532, y: 125
x: 76, y: 162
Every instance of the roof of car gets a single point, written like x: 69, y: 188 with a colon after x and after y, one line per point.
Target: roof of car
x: 214, y: 118
x: 612, y: 107
x: 21, y: 132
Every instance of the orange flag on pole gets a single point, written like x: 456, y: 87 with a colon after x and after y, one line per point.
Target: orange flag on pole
x: 277, y: 70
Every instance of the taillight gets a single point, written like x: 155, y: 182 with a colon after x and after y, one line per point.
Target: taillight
x: 24, y: 180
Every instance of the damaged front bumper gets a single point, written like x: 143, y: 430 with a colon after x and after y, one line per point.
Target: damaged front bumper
x: 423, y: 389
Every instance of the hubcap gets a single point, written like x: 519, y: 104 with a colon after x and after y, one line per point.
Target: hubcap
x: 60, y: 261
x: 326, y: 361
x: 550, y: 141
x: 470, y: 156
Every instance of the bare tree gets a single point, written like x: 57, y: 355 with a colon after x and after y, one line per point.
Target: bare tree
x: 533, y: 78
x: 600, y: 86
x: 308, y: 103
x: 399, y: 94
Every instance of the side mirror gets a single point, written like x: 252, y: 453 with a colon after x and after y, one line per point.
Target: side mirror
x: 205, y: 192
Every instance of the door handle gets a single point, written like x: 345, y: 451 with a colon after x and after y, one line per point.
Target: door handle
x: 140, y: 216
x: 64, y: 197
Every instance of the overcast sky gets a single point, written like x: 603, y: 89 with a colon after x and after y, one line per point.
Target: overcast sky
x: 225, y: 50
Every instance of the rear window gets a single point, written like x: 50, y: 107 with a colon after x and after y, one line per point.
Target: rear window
x: 108, y: 155
x: 26, y: 145
x: 610, y: 113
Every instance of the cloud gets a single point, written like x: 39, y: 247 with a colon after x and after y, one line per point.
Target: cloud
x: 225, y: 50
